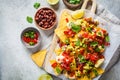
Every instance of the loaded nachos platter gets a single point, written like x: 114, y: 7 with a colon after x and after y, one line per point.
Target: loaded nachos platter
x: 81, y: 44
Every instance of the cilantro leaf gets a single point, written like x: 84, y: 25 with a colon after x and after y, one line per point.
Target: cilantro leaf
x: 81, y: 59
x: 107, y: 38
x: 75, y: 28
x: 77, y: 43
x: 95, y: 72
x: 94, y: 43
x: 29, y: 19
x: 58, y: 70
x: 36, y: 5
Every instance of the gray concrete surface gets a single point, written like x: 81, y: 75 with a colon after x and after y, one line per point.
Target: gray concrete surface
x: 15, y: 61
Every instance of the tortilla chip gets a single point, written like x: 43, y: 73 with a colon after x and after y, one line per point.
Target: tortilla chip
x: 84, y: 78
x: 58, y: 51
x: 39, y: 57
x: 60, y: 33
x: 52, y: 61
x: 99, y: 70
x: 65, y: 14
x: 63, y: 25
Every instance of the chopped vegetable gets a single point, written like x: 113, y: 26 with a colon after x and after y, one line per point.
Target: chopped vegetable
x: 75, y: 28
x: 95, y: 72
x: 67, y: 41
x: 74, y: 1
x: 58, y: 70
x: 107, y: 38
x: 30, y: 37
x: 94, y: 44
x: 36, y: 5
x: 77, y: 43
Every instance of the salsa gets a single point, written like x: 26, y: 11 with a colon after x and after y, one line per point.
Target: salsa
x: 30, y: 37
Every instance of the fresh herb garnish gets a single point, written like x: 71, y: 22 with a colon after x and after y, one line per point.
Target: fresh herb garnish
x: 67, y: 41
x: 95, y: 71
x: 107, y: 38
x: 77, y: 43
x: 99, y: 34
x: 97, y: 49
x: 89, y: 29
x: 75, y: 28
x: 29, y: 19
x: 36, y: 5
x: 81, y: 59
x: 58, y: 70
x: 94, y: 44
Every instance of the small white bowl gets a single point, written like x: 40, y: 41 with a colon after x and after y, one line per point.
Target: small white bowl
x: 35, y: 47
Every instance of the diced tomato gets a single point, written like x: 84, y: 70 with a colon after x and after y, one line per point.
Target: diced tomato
x: 54, y: 65
x: 65, y: 54
x: 65, y: 66
x: 101, y: 56
x: 73, y: 44
x: 81, y: 51
x: 87, y: 56
x: 35, y: 40
x: 85, y: 35
x: 69, y: 33
x: 90, y: 49
x: 36, y: 35
x: 72, y: 73
x: 58, y: 41
x: 80, y: 67
x: 26, y: 39
x: 61, y: 44
x: 104, y: 31
x: 107, y: 43
x: 67, y: 20
x: 94, y: 57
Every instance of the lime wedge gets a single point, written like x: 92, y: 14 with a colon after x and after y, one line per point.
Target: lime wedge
x: 77, y: 14
x: 45, y: 77
x: 52, y: 2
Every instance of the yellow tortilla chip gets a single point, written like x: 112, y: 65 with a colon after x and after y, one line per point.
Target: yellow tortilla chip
x: 63, y: 25
x: 65, y: 14
x: 52, y: 61
x: 84, y: 78
x: 58, y: 51
x: 99, y: 70
x: 39, y: 57
x: 60, y: 33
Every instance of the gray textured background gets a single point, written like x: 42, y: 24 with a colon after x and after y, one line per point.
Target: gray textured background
x: 15, y: 61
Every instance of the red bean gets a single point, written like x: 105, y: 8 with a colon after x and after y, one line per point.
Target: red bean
x: 45, y: 18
